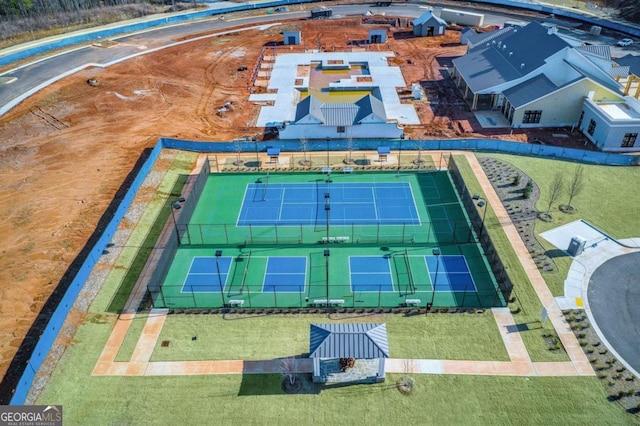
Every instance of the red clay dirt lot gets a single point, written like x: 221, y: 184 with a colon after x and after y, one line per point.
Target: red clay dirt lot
x: 67, y: 150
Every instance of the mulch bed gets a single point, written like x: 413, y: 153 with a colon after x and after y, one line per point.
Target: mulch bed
x: 522, y: 211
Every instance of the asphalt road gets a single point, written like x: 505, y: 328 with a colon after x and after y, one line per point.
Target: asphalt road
x: 29, y: 78
x: 614, y: 296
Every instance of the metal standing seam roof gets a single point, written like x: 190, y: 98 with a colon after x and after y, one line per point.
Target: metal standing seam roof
x: 340, y: 114
x: 600, y: 50
x: 361, y: 341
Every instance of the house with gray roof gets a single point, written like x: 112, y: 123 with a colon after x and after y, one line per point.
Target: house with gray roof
x: 366, y: 343
x: 364, y: 118
x: 428, y: 25
x: 536, y: 78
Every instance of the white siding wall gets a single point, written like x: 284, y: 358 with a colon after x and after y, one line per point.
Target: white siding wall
x: 362, y: 131
x: 462, y: 18
x: 563, y: 107
x: 608, y: 134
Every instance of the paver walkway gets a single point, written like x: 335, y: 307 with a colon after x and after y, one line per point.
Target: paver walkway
x: 519, y: 364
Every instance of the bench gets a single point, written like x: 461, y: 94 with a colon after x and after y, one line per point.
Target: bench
x: 326, y: 170
x: 332, y: 302
x: 326, y: 240
x: 412, y: 302
x: 347, y: 170
x: 233, y: 302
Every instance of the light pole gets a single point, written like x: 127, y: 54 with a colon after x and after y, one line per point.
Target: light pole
x: 255, y: 142
x: 482, y: 204
x: 326, y: 258
x: 436, y: 253
x: 327, y: 151
x: 218, y: 254
x: 176, y: 206
x: 327, y: 211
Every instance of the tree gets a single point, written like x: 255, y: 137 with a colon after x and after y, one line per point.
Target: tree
x: 289, y: 367
x: 576, y: 185
x: 555, y: 189
x: 350, y: 148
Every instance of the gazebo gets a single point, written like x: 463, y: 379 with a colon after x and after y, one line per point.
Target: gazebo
x: 366, y: 343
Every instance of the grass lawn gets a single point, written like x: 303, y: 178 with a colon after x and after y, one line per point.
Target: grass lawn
x: 258, y: 399
x: 531, y: 307
x: 610, y: 200
x: 439, y: 336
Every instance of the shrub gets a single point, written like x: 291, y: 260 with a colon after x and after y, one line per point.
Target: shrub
x: 526, y: 192
x: 516, y: 179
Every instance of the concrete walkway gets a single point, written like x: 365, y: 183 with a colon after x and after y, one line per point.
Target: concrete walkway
x: 519, y: 363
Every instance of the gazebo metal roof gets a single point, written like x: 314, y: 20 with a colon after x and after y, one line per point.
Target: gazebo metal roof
x: 362, y: 341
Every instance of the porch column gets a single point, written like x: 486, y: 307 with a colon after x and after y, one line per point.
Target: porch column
x: 474, y: 104
x: 628, y: 85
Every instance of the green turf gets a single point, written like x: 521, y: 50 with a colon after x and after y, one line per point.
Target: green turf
x: 528, y: 304
x: 444, y: 225
x: 609, y: 201
x: 449, y: 336
x: 258, y: 399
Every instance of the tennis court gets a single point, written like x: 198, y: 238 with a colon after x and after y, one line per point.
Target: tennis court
x: 343, y: 203
x: 360, y: 240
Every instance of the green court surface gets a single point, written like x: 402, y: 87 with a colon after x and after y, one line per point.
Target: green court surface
x: 356, y: 241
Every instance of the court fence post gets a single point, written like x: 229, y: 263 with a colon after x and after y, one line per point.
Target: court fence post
x: 249, y: 296
x: 275, y: 297
x: 164, y: 302
x: 193, y: 297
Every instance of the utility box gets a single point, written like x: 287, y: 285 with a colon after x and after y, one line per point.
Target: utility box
x: 416, y: 91
x: 576, y: 246
x: 595, y: 30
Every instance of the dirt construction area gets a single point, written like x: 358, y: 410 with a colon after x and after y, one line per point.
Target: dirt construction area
x: 68, y: 150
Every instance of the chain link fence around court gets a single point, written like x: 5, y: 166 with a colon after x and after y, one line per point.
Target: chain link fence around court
x: 442, y: 232
x: 477, y: 221
x: 172, y: 297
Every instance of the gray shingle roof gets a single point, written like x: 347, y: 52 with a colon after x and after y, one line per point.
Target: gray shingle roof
x: 363, y: 341
x: 426, y: 17
x: 633, y: 62
x: 523, y: 51
x: 479, y: 40
x: 369, y: 105
x: 529, y: 90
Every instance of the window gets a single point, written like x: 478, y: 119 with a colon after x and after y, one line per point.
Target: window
x: 340, y: 129
x: 629, y: 140
x: 592, y: 127
x: 532, y: 116
x: 581, y: 118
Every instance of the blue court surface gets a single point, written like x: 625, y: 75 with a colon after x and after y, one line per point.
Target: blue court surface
x: 285, y: 275
x: 269, y: 204
x: 453, y: 273
x: 203, y: 274
x: 370, y: 273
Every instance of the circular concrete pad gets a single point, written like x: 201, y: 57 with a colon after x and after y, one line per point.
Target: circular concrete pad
x: 614, y: 300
